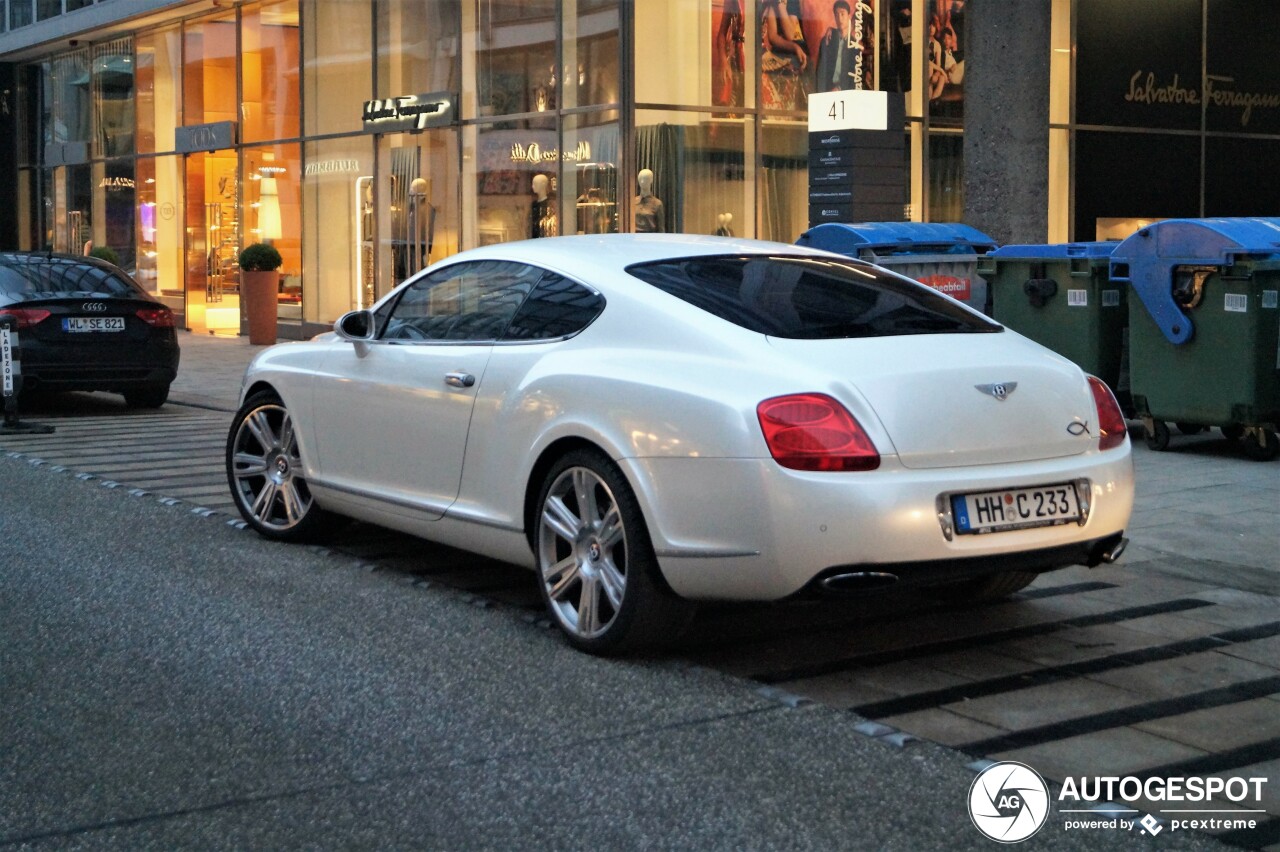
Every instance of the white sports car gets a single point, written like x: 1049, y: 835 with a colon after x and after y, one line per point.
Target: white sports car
x: 650, y: 421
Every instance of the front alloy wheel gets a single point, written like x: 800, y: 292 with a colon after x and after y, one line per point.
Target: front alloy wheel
x: 596, y: 567
x: 265, y: 471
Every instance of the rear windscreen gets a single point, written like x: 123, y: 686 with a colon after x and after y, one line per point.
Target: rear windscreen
x: 34, y: 276
x: 808, y: 298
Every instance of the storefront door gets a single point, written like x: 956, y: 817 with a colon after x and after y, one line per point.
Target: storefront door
x: 213, y: 242
x: 72, y: 203
x: 417, y: 203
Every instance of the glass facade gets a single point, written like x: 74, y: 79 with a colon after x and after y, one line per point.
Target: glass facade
x: 179, y: 144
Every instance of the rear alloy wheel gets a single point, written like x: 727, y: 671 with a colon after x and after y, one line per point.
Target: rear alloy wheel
x: 596, y: 567
x: 1158, y: 435
x: 1260, y: 443
x: 152, y: 396
x: 990, y: 588
x: 265, y: 471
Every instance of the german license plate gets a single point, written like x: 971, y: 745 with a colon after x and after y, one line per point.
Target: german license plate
x: 1015, y: 508
x: 77, y: 324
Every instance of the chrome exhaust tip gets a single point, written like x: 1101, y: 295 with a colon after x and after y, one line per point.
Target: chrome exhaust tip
x: 857, y: 581
x: 1115, y: 552
x: 1107, y: 552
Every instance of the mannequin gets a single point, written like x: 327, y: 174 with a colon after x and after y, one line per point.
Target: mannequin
x: 724, y: 220
x: 646, y: 208
x: 544, y: 221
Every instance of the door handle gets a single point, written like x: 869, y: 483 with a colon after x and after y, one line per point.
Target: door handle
x: 458, y: 379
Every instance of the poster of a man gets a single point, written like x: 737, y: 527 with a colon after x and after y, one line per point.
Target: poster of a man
x: 845, y: 55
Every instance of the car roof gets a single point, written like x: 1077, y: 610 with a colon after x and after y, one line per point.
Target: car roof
x: 591, y: 255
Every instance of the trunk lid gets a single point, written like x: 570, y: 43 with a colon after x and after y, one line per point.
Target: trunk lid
x: 938, y: 396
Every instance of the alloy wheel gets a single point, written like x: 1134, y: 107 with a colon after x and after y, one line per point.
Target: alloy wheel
x: 266, y: 470
x: 582, y: 552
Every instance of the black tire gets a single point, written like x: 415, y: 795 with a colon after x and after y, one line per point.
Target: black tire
x: 1190, y: 428
x: 990, y: 588
x: 1261, y: 444
x: 1158, y: 436
x: 597, y: 571
x: 152, y: 396
x: 1232, y: 431
x: 264, y: 471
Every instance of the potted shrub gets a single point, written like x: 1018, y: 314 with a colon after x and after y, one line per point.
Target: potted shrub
x: 105, y: 253
x: 259, y: 287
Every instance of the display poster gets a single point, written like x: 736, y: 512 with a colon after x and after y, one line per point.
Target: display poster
x: 946, y: 47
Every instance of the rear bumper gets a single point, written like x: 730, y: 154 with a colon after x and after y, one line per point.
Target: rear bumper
x: 143, y: 364
x: 747, y: 529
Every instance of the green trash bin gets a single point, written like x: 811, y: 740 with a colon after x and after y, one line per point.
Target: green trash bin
x: 1062, y: 297
x: 1204, y: 328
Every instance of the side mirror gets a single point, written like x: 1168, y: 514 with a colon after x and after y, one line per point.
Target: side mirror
x: 355, y: 325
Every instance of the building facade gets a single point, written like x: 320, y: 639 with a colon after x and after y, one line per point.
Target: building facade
x: 367, y: 138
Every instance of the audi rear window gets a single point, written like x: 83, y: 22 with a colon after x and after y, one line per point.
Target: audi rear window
x: 809, y: 298
x: 37, y: 276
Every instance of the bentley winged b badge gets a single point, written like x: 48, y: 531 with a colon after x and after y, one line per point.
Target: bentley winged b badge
x: 1000, y: 390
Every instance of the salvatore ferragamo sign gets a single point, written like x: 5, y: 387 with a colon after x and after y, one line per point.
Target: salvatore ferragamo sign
x: 408, y: 112
x: 1218, y: 91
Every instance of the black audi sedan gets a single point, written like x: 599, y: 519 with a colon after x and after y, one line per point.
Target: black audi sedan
x: 85, y: 325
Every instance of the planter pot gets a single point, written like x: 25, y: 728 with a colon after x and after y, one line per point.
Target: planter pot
x: 258, y: 294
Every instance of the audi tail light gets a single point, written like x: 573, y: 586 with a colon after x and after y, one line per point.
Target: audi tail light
x: 812, y: 431
x: 160, y: 317
x: 26, y: 317
x: 1111, y: 426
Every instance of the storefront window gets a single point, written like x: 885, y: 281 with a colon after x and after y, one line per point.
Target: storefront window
x: 516, y: 57
x: 159, y: 266
x: 159, y: 86
x: 272, y: 199
x: 716, y: 41
x: 212, y: 231
x: 418, y: 47
x: 338, y: 221
x: 417, y: 203
x: 270, y: 68
x: 590, y: 174
x: 696, y: 179
x: 784, y: 181
x: 113, y: 98
x: 28, y: 222
x: 592, y: 53
x: 209, y: 71
x: 516, y: 180
x: 113, y: 209
x: 338, y: 64
x: 67, y: 97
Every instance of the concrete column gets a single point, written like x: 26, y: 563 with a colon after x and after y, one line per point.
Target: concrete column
x: 9, y: 143
x: 1006, y: 119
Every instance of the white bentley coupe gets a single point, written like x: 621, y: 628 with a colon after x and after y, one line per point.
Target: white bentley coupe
x: 650, y: 421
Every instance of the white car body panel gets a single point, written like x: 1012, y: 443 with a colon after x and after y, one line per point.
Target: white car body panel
x: 670, y: 393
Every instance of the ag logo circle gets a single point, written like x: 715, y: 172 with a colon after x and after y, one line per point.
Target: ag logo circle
x: 1008, y: 801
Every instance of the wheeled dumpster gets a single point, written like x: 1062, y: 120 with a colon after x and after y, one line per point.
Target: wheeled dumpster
x: 1062, y: 297
x: 1204, y: 328
x: 943, y: 255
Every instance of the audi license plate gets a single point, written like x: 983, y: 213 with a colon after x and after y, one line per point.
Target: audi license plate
x: 1015, y: 509
x: 93, y: 324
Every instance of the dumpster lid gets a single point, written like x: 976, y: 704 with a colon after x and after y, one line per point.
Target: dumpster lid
x: 1209, y: 241
x: 1056, y: 251
x: 1147, y: 260
x: 902, y: 237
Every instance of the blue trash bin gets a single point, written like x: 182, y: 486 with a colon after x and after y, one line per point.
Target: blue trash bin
x: 943, y: 255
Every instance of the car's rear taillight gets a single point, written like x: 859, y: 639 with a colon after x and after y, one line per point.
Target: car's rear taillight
x: 1111, y: 426
x: 26, y: 317
x: 812, y: 431
x: 159, y: 317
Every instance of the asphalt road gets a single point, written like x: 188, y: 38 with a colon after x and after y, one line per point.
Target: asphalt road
x: 167, y: 681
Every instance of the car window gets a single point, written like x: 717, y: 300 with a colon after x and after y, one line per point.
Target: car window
x: 810, y: 298
x: 35, y: 276
x: 463, y: 302
x: 556, y: 308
